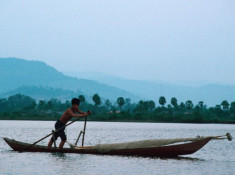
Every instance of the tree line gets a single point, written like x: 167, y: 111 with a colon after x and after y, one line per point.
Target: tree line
x: 23, y: 107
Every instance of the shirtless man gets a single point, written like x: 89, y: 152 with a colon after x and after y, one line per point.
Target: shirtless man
x: 68, y: 114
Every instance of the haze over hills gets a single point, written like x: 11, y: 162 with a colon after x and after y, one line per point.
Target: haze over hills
x: 16, y: 73
x: 38, y: 80
x: 210, y: 94
x: 44, y: 93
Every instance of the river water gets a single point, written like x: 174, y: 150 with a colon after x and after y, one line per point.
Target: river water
x: 215, y: 158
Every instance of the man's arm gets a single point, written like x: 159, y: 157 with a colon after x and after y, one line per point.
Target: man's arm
x: 83, y: 114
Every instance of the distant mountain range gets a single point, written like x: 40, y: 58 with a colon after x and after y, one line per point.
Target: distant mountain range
x: 210, y: 94
x: 38, y: 80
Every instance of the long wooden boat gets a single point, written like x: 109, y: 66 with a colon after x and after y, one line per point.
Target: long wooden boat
x: 171, y: 150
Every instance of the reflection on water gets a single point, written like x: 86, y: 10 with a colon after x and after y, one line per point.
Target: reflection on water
x: 186, y: 158
x: 59, y: 155
x: 166, y: 158
x: 217, y: 157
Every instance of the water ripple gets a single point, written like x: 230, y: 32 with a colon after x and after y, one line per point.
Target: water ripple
x: 217, y: 157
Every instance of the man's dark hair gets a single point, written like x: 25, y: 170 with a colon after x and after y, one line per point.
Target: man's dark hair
x: 75, y: 101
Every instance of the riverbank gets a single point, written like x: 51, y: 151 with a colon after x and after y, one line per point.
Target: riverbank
x: 125, y: 117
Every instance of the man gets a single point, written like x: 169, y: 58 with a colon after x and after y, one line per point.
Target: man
x: 68, y: 114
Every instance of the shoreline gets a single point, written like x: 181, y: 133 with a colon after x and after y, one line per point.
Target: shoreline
x: 128, y: 121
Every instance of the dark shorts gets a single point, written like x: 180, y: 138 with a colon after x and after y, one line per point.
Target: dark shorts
x: 60, y: 133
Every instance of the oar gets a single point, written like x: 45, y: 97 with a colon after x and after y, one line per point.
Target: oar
x: 49, y: 135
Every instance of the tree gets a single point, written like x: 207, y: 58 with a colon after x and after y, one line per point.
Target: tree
x: 82, y: 99
x: 174, y: 102
x: 189, y: 104
x: 218, y: 110
x: 54, y: 104
x: 128, y: 100
x: 182, y: 106
x: 107, y: 104
x: 232, y: 107
x: 145, y: 106
x: 42, y: 105
x: 139, y: 107
x: 19, y: 101
x: 162, y: 101
x: 66, y: 104
x: 96, y: 99
x: 225, y: 105
x: 3, y: 105
x: 120, y: 102
x: 128, y: 104
x: 151, y: 105
x: 200, y: 104
x: 217, y: 107
x: 49, y: 104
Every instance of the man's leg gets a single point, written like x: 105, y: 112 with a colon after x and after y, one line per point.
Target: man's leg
x: 63, y: 139
x: 52, y: 140
x: 62, y: 144
x: 50, y: 144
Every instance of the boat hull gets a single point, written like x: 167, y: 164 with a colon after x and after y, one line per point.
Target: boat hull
x: 163, y: 151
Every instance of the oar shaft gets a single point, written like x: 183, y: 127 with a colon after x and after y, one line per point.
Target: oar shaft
x: 49, y: 135
x: 78, y: 138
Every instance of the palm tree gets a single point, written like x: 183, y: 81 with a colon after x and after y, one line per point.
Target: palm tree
x: 120, y: 102
x: 189, y: 104
x: 162, y: 101
x: 96, y: 99
x: 225, y: 105
x: 82, y: 98
x: 174, y: 102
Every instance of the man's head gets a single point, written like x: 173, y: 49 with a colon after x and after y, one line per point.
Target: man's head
x: 75, y: 101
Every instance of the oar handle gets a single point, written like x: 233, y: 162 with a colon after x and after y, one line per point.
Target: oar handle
x: 49, y: 135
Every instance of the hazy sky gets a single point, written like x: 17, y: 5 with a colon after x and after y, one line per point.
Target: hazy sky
x: 138, y: 39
